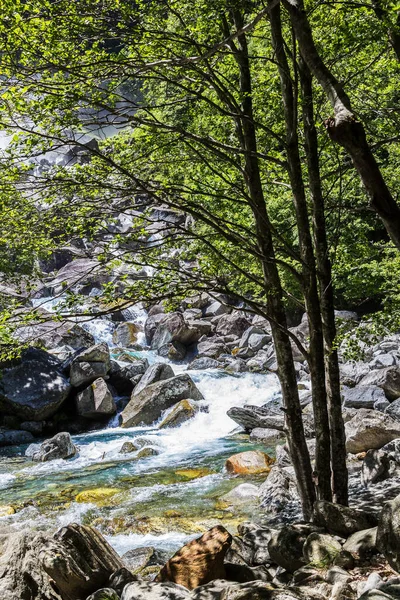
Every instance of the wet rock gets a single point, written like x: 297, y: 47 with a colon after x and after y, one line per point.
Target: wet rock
x: 241, y: 494
x: 286, y: 546
x: 362, y: 543
x: 120, y: 579
x: 126, y: 334
x: 268, y: 437
x: 147, y: 452
x: 362, y: 396
x: 126, y: 378
x: 181, y: 412
x: 251, y: 462
x: 203, y: 363
x: 154, y: 373
x: 59, y: 446
x: 370, y: 429
x: 277, y: 490
x: 33, y: 386
x: 95, y: 401
x: 342, y: 520
x: 127, y: 448
x: 143, y: 590
x: 104, y: 594
x: 200, y: 561
x: 388, y: 379
x: 232, y: 324
x: 174, y: 351
x: 35, y: 427
x: 138, y: 559
x: 388, y: 533
x: 148, y: 405
x: 15, y: 437
x: 98, y: 495
x: 320, y: 549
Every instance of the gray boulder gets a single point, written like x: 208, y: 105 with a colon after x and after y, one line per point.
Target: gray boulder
x: 15, y: 437
x: 59, y: 446
x: 232, y: 324
x: 148, y: 405
x: 126, y: 377
x: 151, y: 325
x: 174, y: 351
x: 126, y: 334
x: 138, y: 559
x: 154, y: 373
x: 216, y: 309
x: 388, y: 379
x: 53, y: 334
x: 321, y: 549
x: 120, y: 579
x: 174, y: 328
x: 362, y: 543
x: 342, y: 520
x: 254, y: 338
x: 286, y: 546
x: 182, y: 411
x: 90, y: 364
x: 277, y: 490
x: 362, y: 396
x: 212, y: 348
x: 32, y: 387
x: 370, y: 429
x: 95, y: 401
x: 388, y: 533
x: 268, y: 437
x: 256, y: 417
x: 203, y: 363
x: 393, y: 410
x: 382, y: 361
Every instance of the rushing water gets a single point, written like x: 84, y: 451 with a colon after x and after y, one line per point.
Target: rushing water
x: 160, y: 500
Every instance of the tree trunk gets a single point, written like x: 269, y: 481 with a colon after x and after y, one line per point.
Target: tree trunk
x: 337, y: 432
x: 344, y: 128
x: 287, y: 374
x: 309, y: 277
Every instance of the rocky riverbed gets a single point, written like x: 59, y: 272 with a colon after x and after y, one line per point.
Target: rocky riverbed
x: 155, y: 428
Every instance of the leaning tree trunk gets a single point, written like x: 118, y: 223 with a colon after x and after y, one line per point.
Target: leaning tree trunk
x: 337, y: 432
x: 344, y: 128
x: 309, y: 275
x: 275, y: 307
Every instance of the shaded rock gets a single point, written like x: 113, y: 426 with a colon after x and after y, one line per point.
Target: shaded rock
x: 104, y: 594
x: 53, y: 334
x: 388, y: 379
x: 232, y: 324
x: 181, y: 412
x: 255, y: 541
x: 370, y: 429
x: 362, y: 543
x: 203, y: 363
x: 143, y: 590
x: 35, y: 427
x: 126, y: 334
x: 200, y: 561
x: 277, y: 490
x: 320, y: 549
x: 375, y: 467
x: 256, y: 417
x: 363, y: 396
x: 244, y: 573
x: 249, y: 463
x: 173, y: 328
x: 148, y: 405
x: 151, y: 325
x: 268, y: 437
x: 83, y: 373
x: 126, y: 378
x: 127, y: 448
x: 174, y: 351
x: 120, y: 579
x: 14, y: 437
x: 139, y: 558
x: 393, y: 410
x: 154, y: 373
x: 59, y: 446
x: 95, y: 401
x: 286, y: 546
x: 211, y: 349
x: 342, y: 520
x: 388, y: 533
x: 33, y: 386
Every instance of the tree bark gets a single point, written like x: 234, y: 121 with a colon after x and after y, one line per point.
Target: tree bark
x: 337, y: 432
x: 286, y: 371
x: 344, y: 128
x: 309, y: 277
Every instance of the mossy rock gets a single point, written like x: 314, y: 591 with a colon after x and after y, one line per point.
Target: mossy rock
x: 99, y: 496
x: 6, y: 510
x: 146, y: 452
x: 193, y: 473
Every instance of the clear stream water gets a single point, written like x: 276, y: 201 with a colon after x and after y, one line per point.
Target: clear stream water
x: 160, y: 500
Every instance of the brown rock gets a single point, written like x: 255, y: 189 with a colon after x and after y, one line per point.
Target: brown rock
x: 200, y: 561
x: 249, y: 463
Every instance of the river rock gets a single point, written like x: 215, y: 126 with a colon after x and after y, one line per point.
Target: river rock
x: 362, y: 543
x: 148, y: 405
x: 126, y: 334
x: 59, y: 446
x: 241, y: 494
x: 232, y: 324
x: 320, y: 549
x: 151, y: 325
x: 181, y: 412
x: 211, y: 348
x: 81, y: 274
x: 370, y: 429
x: 363, y: 396
x: 33, y: 386
x: 268, y: 437
x: 199, y: 561
x: 95, y: 401
x: 53, y: 334
x: 143, y: 590
x: 277, y: 490
x: 90, y: 364
x: 174, y: 351
x: 342, y: 520
x: 14, y: 437
x: 154, y: 373
x: 375, y: 467
x: 173, y: 328
x: 286, y: 546
x: 203, y: 363
x: 388, y: 533
x: 388, y: 379
x: 138, y: 559
x: 120, y: 579
x: 125, y: 378
x: 251, y: 462
x: 253, y: 417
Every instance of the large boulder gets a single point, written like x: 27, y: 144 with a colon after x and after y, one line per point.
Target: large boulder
x: 321, y: 549
x: 388, y: 533
x: 232, y: 324
x: 254, y: 338
x: 140, y: 558
x: 53, y: 334
x: 33, y: 387
x: 174, y: 328
x: 342, y: 520
x: 14, y: 437
x: 126, y: 334
x: 251, y: 462
x: 212, y: 348
x: 370, y: 429
x: 200, y: 561
x: 90, y: 364
x: 277, y: 490
x: 151, y: 325
x: 148, y: 405
x: 126, y: 377
x: 81, y: 274
x: 154, y: 373
x: 363, y: 396
x: 286, y: 546
x: 257, y: 417
x: 72, y: 564
x: 95, y: 401
x: 388, y: 379
x: 181, y: 412
x: 59, y: 446
x: 362, y: 544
